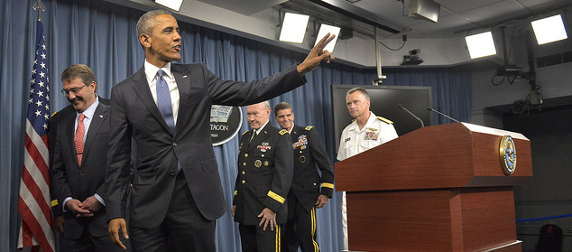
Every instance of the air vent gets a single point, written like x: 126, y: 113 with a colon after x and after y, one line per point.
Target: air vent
x: 567, y: 57
x: 554, y: 59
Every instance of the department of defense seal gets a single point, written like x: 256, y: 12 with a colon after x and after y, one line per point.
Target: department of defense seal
x: 507, y: 154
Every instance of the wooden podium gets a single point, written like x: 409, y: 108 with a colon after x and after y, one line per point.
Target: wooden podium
x: 439, y: 188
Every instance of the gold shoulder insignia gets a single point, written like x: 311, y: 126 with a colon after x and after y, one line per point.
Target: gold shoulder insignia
x: 309, y: 127
x: 54, y: 114
x: 283, y: 131
x: 245, y: 132
x: 385, y: 120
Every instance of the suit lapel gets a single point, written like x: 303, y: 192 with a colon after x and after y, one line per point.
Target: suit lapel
x: 258, y: 138
x: 70, y: 133
x: 245, y: 140
x: 141, y: 88
x: 183, y: 83
x: 295, y: 132
x: 99, y: 117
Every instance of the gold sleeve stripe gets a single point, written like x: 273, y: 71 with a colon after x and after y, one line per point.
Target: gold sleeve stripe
x: 276, y: 197
x: 328, y: 185
x: 235, y: 192
x: 54, y: 203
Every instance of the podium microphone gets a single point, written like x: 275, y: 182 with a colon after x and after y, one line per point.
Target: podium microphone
x: 446, y: 116
x: 409, y: 112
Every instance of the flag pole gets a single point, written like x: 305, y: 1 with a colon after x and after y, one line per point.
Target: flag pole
x: 34, y: 203
x: 39, y: 6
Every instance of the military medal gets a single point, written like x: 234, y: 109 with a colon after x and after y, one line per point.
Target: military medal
x: 302, y: 142
x: 257, y: 163
x: 264, y: 146
x: 371, y: 134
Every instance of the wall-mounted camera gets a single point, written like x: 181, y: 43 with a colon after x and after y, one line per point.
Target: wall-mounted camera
x: 413, y: 58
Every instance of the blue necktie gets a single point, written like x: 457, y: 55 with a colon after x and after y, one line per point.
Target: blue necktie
x: 164, y: 104
x: 164, y: 100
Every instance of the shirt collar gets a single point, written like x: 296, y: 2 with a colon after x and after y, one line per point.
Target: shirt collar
x: 151, y: 71
x: 370, y: 121
x: 257, y: 131
x: 90, y: 111
x: 292, y: 128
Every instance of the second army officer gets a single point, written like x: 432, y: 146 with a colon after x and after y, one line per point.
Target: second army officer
x: 309, y: 190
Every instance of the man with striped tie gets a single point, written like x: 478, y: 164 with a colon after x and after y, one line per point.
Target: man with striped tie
x: 79, y: 163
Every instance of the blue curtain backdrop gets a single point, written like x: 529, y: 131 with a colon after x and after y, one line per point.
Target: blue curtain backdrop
x: 102, y: 36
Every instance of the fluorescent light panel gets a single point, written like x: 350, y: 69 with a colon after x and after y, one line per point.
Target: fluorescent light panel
x: 171, y: 4
x: 549, y: 29
x: 481, y: 45
x: 325, y: 29
x: 294, y: 27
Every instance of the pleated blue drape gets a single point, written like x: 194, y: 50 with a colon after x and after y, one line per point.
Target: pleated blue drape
x: 102, y: 36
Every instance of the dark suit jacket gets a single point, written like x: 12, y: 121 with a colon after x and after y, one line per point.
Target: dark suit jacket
x: 135, y: 115
x: 264, y: 175
x: 54, y: 122
x: 309, y: 151
x: 70, y: 180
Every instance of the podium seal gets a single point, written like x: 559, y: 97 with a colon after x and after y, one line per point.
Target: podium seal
x: 507, y: 154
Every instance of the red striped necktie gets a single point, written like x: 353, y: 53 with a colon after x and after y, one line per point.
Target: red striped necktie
x: 78, y: 138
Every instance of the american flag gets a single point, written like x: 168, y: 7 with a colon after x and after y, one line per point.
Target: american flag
x: 34, y: 200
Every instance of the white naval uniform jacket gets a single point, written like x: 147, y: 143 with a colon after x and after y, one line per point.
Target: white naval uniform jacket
x: 377, y: 131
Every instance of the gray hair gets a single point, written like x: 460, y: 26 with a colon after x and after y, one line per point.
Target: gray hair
x: 266, y: 104
x: 147, y: 22
x: 358, y: 89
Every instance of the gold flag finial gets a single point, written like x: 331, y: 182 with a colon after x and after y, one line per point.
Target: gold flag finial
x: 39, y: 6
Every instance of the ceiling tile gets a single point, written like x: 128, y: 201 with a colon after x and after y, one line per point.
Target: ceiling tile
x: 457, y: 6
x: 497, y: 12
x: 446, y: 27
x: 246, y: 7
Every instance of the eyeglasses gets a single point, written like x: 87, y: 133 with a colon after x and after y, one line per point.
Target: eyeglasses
x: 73, y: 90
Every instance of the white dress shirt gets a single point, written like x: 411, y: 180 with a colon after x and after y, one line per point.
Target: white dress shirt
x: 151, y: 74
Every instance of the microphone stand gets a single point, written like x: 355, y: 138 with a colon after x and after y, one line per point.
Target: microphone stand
x: 409, y: 112
x: 446, y: 116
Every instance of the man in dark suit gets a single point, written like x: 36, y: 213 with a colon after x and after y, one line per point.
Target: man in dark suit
x: 79, y: 163
x: 263, y: 181
x: 55, y: 120
x: 309, y: 190
x: 165, y: 108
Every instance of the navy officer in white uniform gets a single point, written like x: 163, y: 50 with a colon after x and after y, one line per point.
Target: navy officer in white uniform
x: 365, y: 132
